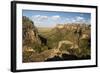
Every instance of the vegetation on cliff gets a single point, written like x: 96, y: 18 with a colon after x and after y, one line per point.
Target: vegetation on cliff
x: 54, y: 44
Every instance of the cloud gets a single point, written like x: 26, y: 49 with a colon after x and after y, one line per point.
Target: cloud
x: 79, y: 18
x: 55, y: 18
x: 76, y: 19
x: 73, y: 20
x: 67, y: 19
x: 45, y: 18
x: 39, y: 18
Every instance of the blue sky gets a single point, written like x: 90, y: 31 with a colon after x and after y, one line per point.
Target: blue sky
x: 52, y: 18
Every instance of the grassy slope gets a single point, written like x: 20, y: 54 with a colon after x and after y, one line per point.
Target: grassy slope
x: 55, y: 35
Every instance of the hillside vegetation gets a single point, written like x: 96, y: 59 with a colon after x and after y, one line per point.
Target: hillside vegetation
x: 70, y: 42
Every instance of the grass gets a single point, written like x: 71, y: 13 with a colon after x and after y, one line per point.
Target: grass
x: 53, y: 37
x: 56, y: 35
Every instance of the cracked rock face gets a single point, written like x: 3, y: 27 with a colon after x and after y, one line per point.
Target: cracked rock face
x: 30, y: 33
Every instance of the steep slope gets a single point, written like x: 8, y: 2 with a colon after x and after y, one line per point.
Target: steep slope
x: 30, y: 35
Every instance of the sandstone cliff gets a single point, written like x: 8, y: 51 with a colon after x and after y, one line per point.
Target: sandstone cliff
x: 30, y: 35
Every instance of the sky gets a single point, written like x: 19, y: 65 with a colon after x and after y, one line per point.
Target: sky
x: 52, y: 18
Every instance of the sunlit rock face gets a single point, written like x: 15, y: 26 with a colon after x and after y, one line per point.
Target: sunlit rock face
x: 30, y: 34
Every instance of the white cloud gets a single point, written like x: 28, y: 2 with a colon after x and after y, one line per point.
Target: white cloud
x: 73, y: 20
x: 67, y: 19
x: 76, y: 19
x: 36, y: 16
x: 79, y: 18
x: 39, y: 18
x: 44, y: 18
x: 56, y: 17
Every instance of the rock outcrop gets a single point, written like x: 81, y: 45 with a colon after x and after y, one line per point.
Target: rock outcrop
x: 30, y: 34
